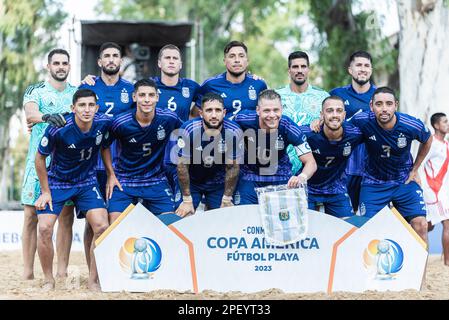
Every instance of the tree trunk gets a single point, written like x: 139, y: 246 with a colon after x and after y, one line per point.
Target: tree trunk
x: 423, y: 57
x: 4, y: 144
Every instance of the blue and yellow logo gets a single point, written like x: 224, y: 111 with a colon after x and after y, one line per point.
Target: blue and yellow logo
x: 140, y: 257
x: 385, y: 257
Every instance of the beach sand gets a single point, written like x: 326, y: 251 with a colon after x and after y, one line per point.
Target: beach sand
x: 75, y: 286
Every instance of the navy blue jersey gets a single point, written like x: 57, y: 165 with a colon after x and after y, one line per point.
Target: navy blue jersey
x: 74, y: 153
x: 389, y: 159
x: 354, y: 102
x: 112, y: 101
x: 331, y: 158
x: 237, y: 96
x: 266, y: 158
x: 207, y: 156
x: 177, y: 98
x: 141, y: 149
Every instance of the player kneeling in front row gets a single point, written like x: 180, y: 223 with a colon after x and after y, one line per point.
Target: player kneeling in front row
x: 390, y: 172
x: 331, y: 148
x: 267, y: 134
x: 71, y: 176
x: 211, y: 148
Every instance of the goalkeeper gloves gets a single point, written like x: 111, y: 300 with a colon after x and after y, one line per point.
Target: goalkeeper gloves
x: 55, y: 119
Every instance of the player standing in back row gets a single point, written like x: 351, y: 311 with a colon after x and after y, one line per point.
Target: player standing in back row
x: 236, y: 86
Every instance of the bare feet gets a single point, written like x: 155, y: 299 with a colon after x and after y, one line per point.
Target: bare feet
x: 48, y: 285
x: 61, y: 275
x: 28, y: 276
x: 94, y: 286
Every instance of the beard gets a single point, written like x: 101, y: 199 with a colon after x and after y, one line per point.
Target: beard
x: 299, y: 82
x: 59, y: 78
x: 236, y: 74
x: 110, y: 72
x: 361, y: 82
x: 211, y: 126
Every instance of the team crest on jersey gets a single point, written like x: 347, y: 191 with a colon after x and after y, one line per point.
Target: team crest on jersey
x: 347, y: 149
x: 208, y: 161
x: 44, y: 142
x: 98, y: 139
x: 279, y: 145
x: 161, y: 133
x: 181, y: 143
x: 402, y: 141
x: 124, y: 97
x: 252, y: 94
x: 185, y: 92
x: 222, y: 147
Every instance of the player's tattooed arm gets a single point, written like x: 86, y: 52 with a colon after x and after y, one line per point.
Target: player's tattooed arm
x: 231, y: 178
x: 41, y: 170
x: 422, y: 153
x: 186, y: 207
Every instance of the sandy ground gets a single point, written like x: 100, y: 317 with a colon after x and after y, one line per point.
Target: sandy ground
x: 75, y: 286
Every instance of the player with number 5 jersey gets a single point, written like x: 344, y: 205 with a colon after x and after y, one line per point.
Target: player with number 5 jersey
x: 142, y: 135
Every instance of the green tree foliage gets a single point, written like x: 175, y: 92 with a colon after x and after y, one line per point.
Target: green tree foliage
x: 27, y: 30
x: 262, y: 24
x: 343, y: 32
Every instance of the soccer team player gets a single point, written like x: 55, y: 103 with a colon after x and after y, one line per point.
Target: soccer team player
x: 211, y: 148
x: 357, y: 96
x: 332, y: 148
x: 214, y: 143
x: 238, y: 88
x: 267, y: 133
x: 71, y: 176
x: 44, y: 103
x: 142, y: 135
x: 391, y: 175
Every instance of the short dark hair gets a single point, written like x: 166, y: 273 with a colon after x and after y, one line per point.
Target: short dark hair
x: 297, y: 55
x: 435, y: 118
x: 83, y: 93
x: 337, y: 98
x: 57, y: 51
x: 145, y: 83
x: 108, y: 45
x: 269, y: 94
x: 168, y: 46
x: 210, y: 96
x: 384, y: 90
x: 360, y: 54
x: 233, y: 44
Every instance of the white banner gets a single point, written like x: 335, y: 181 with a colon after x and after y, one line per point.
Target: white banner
x: 225, y: 250
x: 11, y: 225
